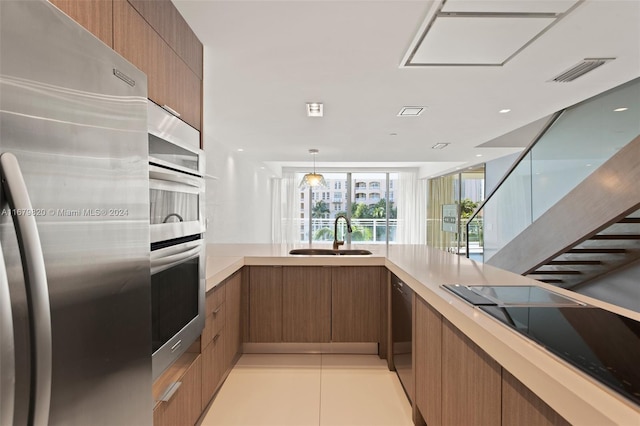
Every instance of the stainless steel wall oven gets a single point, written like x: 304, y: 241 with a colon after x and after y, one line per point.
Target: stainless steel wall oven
x: 176, y: 196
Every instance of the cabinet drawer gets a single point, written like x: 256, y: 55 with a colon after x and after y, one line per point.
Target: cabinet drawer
x: 213, y: 368
x: 214, y: 299
x: 184, y: 407
x: 213, y: 325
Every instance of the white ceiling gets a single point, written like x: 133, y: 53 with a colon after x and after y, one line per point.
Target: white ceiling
x: 264, y: 60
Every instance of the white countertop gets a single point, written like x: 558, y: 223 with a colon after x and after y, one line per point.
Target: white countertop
x: 577, y: 397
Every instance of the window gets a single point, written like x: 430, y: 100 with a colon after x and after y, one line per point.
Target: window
x: 367, y: 210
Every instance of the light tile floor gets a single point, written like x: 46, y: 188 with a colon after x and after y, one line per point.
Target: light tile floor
x: 321, y: 390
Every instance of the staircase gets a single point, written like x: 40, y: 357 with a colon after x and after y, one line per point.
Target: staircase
x: 616, y: 245
x: 593, y: 230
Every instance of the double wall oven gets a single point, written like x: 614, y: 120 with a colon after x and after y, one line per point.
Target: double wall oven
x: 176, y: 195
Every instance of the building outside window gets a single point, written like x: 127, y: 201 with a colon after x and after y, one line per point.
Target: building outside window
x: 368, y: 215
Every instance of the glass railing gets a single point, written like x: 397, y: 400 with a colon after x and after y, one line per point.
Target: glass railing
x: 576, y: 143
x: 370, y: 231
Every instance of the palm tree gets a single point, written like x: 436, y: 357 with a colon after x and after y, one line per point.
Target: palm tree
x: 320, y: 210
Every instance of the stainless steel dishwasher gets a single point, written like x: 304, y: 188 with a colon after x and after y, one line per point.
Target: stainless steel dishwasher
x: 401, y: 332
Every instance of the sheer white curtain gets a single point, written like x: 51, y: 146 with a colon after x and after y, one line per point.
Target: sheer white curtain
x: 411, y: 201
x: 285, y: 209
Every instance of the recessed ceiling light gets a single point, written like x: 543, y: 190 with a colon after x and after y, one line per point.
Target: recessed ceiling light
x: 439, y: 145
x: 504, y: 111
x: 478, y: 155
x: 315, y: 109
x: 411, y: 111
x: 621, y: 109
x: 240, y: 149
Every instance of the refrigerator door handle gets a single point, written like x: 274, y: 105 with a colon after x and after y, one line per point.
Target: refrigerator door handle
x: 7, y: 348
x: 33, y: 264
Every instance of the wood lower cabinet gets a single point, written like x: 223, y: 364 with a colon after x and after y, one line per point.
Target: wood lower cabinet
x: 306, y: 304
x: 221, y: 339
x: 94, y: 15
x: 232, y: 332
x: 184, y: 406
x: 471, y: 381
x: 428, y: 362
x: 520, y: 406
x: 265, y: 304
x: 355, y: 304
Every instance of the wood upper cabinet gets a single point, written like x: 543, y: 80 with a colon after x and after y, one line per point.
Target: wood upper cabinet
x: 306, y: 304
x: 428, y: 362
x: 265, y: 304
x: 355, y: 304
x: 170, y: 81
x: 471, y: 381
x: 94, y: 15
x: 163, y: 16
x: 520, y: 406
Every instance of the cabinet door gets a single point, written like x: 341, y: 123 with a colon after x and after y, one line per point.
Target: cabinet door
x: 471, y: 381
x: 520, y: 406
x: 134, y: 39
x: 306, y: 304
x: 94, y: 15
x: 233, y: 337
x: 184, y: 407
x: 213, y: 367
x: 265, y: 304
x: 428, y: 362
x: 170, y: 81
x: 355, y: 304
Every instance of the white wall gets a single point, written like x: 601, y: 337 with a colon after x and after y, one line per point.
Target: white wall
x: 238, y: 197
x: 618, y: 288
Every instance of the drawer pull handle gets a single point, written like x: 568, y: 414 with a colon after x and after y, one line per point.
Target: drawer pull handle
x: 216, y: 337
x: 170, y: 391
x: 216, y: 312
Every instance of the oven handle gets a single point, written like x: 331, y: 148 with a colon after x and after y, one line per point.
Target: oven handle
x: 160, y: 264
x: 158, y: 173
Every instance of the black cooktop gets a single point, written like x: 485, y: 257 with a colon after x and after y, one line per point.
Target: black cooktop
x: 601, y: 343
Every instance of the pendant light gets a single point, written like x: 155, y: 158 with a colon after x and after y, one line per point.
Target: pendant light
x: 313, y: 179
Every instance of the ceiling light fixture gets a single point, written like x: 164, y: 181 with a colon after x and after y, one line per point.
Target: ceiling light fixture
x: 411, y: 111
x: 504, y: 111
x: 440, y: 145
x: 313, y: 179
x: 620, y: 109
x: 315, y: 109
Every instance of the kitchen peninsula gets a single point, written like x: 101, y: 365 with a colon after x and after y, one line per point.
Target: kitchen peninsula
x: 567, y: 391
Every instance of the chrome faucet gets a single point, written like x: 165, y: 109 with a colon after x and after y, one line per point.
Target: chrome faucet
x: 337, y: 243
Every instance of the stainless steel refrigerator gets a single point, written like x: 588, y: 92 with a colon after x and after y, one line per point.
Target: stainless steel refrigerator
x: 74, y: 226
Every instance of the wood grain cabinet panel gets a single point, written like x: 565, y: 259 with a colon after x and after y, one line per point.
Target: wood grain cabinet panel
x: 428, y: 362
x: 520, y: 406
x: 94, y: 15
x: 170, y: 81
x: 213, y: 368
x: 265, y: 304
x: 355, y: 304
x: 184, y: 407
x: 167, y: 21
x: 233, y: 334
x: 306, y: 304
x: 471, y: 381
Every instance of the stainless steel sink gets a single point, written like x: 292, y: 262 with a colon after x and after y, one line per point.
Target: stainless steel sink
x: 329, y: 252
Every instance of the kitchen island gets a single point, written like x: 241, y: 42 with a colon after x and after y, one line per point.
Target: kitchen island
x: 572, y: 394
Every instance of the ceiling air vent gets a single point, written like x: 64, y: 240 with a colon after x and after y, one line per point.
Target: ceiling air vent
x: 587, y: 65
